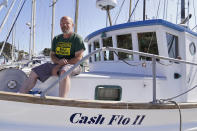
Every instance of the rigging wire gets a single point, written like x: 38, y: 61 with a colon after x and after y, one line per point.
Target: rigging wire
x: 166, y: 13
x: 119, y: 11
x: 12, y: 27
x: 133, y: 11
x: 188, y: 13
x: 158, y: 9
x: 164, y: 8
x: 53, y: 3
x: 194, y: 16
x: 177, y: 10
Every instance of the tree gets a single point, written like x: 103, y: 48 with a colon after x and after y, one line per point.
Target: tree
x: 7, y: 49
x: 46, y: 51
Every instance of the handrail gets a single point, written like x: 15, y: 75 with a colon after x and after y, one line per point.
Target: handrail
x: 70, y: 70
x: 154, y: 57
x: 149, y: 55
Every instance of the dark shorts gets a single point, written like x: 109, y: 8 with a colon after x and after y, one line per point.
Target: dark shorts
x: 44, y: 71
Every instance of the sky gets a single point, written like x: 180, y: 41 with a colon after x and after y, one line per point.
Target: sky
x: 90, y: 18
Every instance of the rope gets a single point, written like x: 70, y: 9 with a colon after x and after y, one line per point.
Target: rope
x: 124, y: 60
x: 180, y: 116
x: 170, y: 100
x: 165, y: 64
x: 178, y: 107
x: 180, y: 94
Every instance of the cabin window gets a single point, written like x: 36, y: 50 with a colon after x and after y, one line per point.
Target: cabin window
x: 108, y: 92
x: 172, y: 42
x: 148, y: 44
x: 108, y: 55
x: 89, y: 51
x: 125, y: 42
x: 192, y: 48
x: 97, y: 56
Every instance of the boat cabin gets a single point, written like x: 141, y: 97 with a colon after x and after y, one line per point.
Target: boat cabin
x: 157, y: 37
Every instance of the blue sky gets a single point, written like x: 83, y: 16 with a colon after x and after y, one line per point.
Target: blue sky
x: 90, y: 18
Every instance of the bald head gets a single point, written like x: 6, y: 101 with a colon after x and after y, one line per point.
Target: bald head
x: 66, y: 24
x: 67, y: 18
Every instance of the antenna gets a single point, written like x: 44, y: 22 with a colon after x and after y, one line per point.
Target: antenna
x: 106, y: 5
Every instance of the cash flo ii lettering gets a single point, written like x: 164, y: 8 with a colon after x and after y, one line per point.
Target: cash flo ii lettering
x: 79, y: 118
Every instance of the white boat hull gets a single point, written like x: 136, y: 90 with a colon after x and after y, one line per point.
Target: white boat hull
x: 41, y: 114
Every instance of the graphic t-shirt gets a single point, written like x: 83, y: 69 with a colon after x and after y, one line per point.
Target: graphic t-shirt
x: 66, y: 47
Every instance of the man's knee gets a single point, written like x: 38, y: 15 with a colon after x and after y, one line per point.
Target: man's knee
x: 33, y: 75
x: 62, y: 72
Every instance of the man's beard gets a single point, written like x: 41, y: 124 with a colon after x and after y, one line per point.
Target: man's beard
x: 66, y: 31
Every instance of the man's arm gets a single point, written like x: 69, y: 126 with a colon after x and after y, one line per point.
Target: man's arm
x: 56, y: 60
x: 53, y: 57
x: 78, y: 57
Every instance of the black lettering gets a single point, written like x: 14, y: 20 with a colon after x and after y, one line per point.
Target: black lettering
x: 83, y: 119
x: 139, y: 123
x: 114, y: 118
x: 119, y: 122
x: 73, y: 116
x: 100, y: 120
x: 126, y: 121
x: 136, y: 119
x: 92, y: 120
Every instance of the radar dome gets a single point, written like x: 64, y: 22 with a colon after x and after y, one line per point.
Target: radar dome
x: 106, y: 4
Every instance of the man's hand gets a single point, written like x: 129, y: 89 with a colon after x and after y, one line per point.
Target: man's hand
x: 62, y: 62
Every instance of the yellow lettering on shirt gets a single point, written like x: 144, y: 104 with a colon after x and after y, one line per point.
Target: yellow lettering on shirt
x: 63, y: 48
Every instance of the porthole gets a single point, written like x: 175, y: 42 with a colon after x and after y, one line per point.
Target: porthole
x: 192, y: 48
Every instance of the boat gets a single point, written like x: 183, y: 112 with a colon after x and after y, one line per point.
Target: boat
x: 142, y: 77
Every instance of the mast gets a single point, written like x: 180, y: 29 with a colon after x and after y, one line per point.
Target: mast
x: 130, y: 8
x: 106, y: 5
x: 144, y: 10
x: 30, y: 36
x: 13, y: 43
x: 182, y: 10
x: 109, y: 16
x: 33, y: 25
x: 53, y: 20
x: 76, y: 15
x: 6, y: 17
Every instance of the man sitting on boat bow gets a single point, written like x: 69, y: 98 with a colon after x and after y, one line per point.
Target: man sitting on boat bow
x: 66, y: 50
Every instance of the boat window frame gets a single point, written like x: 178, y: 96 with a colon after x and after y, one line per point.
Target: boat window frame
x: 130, y: 34
x: 107, y: 87
x: 177, y: 55
x: 113, y: 57
x: 143, y: 32
x: 89, y: 51
x: 99, y: 53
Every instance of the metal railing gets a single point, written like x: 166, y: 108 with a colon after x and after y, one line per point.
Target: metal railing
x: 154, y: 57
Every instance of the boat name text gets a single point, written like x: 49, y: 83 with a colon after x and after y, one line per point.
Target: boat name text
x: 79, y: 118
